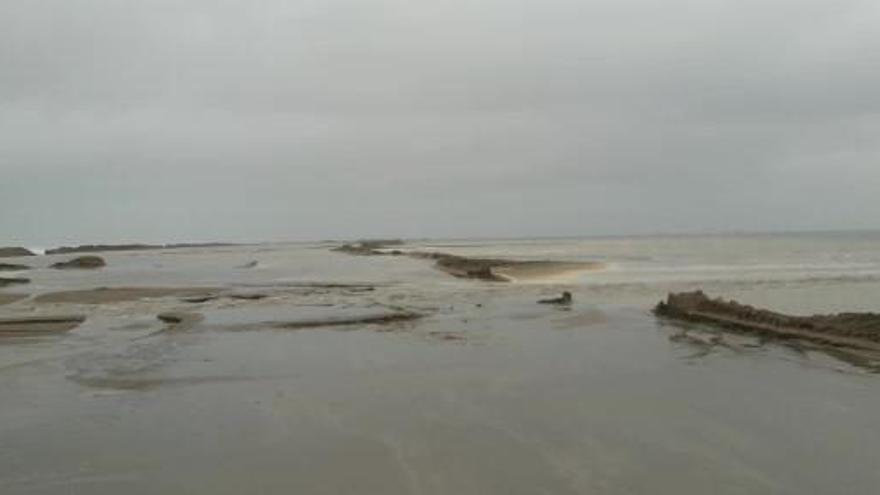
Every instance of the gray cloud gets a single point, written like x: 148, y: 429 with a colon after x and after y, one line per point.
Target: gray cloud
x: 170, y: 120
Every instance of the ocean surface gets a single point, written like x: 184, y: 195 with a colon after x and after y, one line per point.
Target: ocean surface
x: 489, y: 393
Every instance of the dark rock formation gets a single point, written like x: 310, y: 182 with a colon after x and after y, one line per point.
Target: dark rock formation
x: 480, y: 269
x: 179, y: 320
x: 857, y: 330
x: 200, y: 299
x: 83, y: 263
x: 370, y: 247
x: 247, y: 296
x: 10, y: 267
x: 4, y: 282
x: 564, y: 299
x: 488, y: 269
x: 462, y: 267
x: 12, y: 252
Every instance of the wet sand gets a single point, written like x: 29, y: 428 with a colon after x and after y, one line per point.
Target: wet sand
x: 7, y: 298
x: 494, y: 405
x: 13, y: 267
x: 485, y: 392
x: 545, y: 271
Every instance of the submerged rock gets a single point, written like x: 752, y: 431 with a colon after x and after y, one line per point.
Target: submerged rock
x: 179, y: 320
x: 82, y: 263
x: 474, y: 268
x: 247, y: 296
x: 4, y: 282
x: 11, y: 267
x: 12, y: 252
x: 564, y: 299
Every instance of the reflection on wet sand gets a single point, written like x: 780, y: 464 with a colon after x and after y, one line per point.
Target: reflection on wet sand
x: 110, y: 295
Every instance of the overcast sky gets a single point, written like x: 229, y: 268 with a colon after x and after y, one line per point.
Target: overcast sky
x: 173, y: 120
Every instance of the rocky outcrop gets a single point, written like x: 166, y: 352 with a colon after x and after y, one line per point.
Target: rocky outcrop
x: 12, y: 252
x: 856, y: 330
x: 11, y: 267
x: 179, y: 320
x: 5, y: 282
x: 564, y: 300
x: 476, y: 268
x: 487, y: 269
x: 491, y: 269
x: 81, y: 263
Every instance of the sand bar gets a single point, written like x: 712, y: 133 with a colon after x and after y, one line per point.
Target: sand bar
x: 110, y: 295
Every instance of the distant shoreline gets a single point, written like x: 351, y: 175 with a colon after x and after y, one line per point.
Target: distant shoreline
x: 645, y: 235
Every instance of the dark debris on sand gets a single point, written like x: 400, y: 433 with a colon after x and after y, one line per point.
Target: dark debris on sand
x: 81, y: 263
x: 5, y: 282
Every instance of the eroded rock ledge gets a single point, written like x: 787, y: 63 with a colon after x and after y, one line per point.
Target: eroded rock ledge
x: 81, y: 263
x: 476, y: 268
x: 487, y: 269
x: 848, y: 330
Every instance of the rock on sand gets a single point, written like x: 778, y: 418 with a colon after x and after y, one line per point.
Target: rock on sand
x: 83, y: 262
x: 12, y: 252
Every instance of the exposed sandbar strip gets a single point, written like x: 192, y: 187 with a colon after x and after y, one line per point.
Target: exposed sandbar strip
x: 110, y: 295
x: 39, y: 325
x: 489, y: 269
